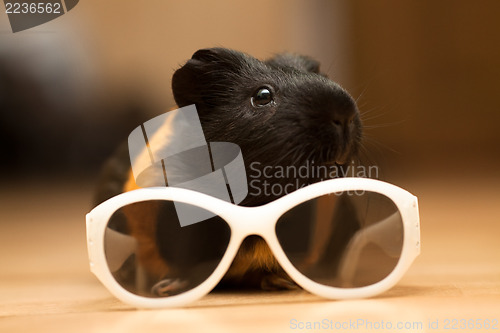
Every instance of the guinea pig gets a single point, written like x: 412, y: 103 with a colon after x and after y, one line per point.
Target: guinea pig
x: 281, y: 112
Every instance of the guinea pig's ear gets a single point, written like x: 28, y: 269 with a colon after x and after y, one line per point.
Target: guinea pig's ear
x: 295, y: 61
x: 194, y: 82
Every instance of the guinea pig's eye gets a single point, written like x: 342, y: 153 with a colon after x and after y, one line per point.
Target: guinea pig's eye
x: 262, y: 96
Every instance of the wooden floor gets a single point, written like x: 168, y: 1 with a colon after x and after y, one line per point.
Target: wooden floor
x: 46, y: 286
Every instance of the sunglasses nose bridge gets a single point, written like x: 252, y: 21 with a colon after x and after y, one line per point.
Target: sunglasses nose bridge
x: 253, y: 221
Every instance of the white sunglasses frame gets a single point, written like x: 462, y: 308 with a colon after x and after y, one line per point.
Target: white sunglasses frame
x: 245, y: 221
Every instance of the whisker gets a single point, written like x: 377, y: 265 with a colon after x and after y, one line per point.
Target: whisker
x: 360, y: 95
x: 378, y: 145
x: 383, y: 125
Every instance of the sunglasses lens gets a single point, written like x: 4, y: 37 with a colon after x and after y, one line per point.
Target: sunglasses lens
x: 343, y: 240
x: 150, y: 254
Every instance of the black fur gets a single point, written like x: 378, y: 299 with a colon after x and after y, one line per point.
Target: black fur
x: 311, y: 120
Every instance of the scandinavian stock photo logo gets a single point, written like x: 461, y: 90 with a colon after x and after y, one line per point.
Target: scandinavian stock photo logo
x: 261, y: 178
x: 171, y: 150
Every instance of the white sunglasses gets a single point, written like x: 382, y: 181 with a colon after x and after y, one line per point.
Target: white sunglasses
x: 340, y: 238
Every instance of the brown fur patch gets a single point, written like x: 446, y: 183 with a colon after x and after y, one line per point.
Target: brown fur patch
x: 142, y: 223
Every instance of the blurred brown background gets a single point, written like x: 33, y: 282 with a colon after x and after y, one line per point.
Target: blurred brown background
x: 426, y: 75
x: 425, y: 72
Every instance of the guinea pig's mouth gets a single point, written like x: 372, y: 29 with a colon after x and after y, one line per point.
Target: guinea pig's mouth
x: 343, y: 157
x: 331, y: 157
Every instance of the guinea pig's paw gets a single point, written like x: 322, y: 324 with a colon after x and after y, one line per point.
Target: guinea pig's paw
x: 168, y: 287
x: 275, y: 282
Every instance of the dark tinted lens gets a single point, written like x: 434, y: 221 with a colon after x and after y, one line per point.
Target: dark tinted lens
x: 343, y: 240
x: 150, y: 254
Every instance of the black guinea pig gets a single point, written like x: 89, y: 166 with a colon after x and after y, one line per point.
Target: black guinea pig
x: 280, y: 112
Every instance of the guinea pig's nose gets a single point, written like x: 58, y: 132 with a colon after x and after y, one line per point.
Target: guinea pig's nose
x: 343, y: 117
x: 343, y: 109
